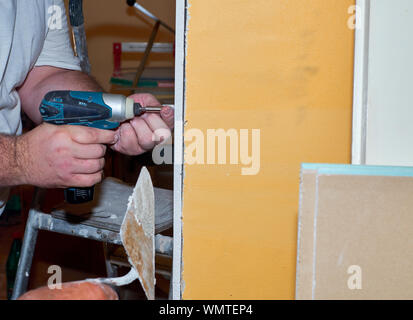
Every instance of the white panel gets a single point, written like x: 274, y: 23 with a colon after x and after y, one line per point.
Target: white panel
x: 178, y: 145
x: 390, y: 84
x: 361, y: 56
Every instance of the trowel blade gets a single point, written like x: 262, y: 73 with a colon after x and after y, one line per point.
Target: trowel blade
x: 138, y: 232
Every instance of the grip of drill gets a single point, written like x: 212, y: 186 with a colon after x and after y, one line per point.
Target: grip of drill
x: 77, y: 108
x: 79, y: 195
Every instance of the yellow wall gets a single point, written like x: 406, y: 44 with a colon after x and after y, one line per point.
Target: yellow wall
x: 284, y: 67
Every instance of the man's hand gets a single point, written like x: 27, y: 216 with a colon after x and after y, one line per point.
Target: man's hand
x: 141, y: 134
x: 62, y: 156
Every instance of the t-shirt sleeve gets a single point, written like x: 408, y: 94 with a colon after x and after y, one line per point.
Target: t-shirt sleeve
x: 57, y: 50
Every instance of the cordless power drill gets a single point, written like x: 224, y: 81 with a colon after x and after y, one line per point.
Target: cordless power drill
x: 91, y: 109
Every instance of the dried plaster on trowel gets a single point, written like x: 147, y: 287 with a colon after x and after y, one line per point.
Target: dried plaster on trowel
x: 137, y: 234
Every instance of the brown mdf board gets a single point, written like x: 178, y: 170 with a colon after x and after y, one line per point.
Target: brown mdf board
x: 305, y: 234
x: 355, y: 232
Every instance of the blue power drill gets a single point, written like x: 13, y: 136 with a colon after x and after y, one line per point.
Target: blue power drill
x: 92, y: 109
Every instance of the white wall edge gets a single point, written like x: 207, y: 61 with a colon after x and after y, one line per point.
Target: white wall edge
x: 361, y: 55
x: 178, y: 146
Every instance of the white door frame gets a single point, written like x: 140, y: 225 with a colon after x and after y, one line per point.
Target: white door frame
x: 360, y: 105
x: 180, y: 39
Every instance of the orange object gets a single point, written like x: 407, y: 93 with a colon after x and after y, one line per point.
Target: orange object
x: 81, y: 290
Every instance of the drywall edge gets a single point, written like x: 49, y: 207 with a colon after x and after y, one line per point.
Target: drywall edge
x: 178, y: 146
x: 361, y: 54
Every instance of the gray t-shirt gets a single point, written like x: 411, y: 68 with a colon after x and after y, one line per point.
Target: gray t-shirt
x: 32, y: 33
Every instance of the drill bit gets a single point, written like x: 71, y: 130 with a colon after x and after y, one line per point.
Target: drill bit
x: 139, y: 110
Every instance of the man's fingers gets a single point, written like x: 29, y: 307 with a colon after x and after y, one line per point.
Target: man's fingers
x: 88, y: 151
x: 145, y: 135
x: 167, y: 115
x: 128, y: 141
x: 86, y: 135
x: 154, y: 121
x: 87, y: 166
x: 160, y: 129
x: 86, y: 180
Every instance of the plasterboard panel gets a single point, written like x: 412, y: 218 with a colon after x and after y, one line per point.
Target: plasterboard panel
x: 355, y: 216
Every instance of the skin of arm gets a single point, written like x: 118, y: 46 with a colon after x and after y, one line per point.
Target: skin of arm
x: 10, y: 173
x: 41, y: 80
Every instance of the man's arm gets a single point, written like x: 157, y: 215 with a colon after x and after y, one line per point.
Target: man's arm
x: 62, y: 156
x: 49, y: 155
x: 43, y: 79
x: 10, y: 173
x: 133, y: 137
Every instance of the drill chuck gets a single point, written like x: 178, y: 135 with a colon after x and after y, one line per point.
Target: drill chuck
x: 139, y: 110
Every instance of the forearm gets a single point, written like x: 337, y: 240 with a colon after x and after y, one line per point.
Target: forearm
x: 11, y: 160
x: 44, y: 79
